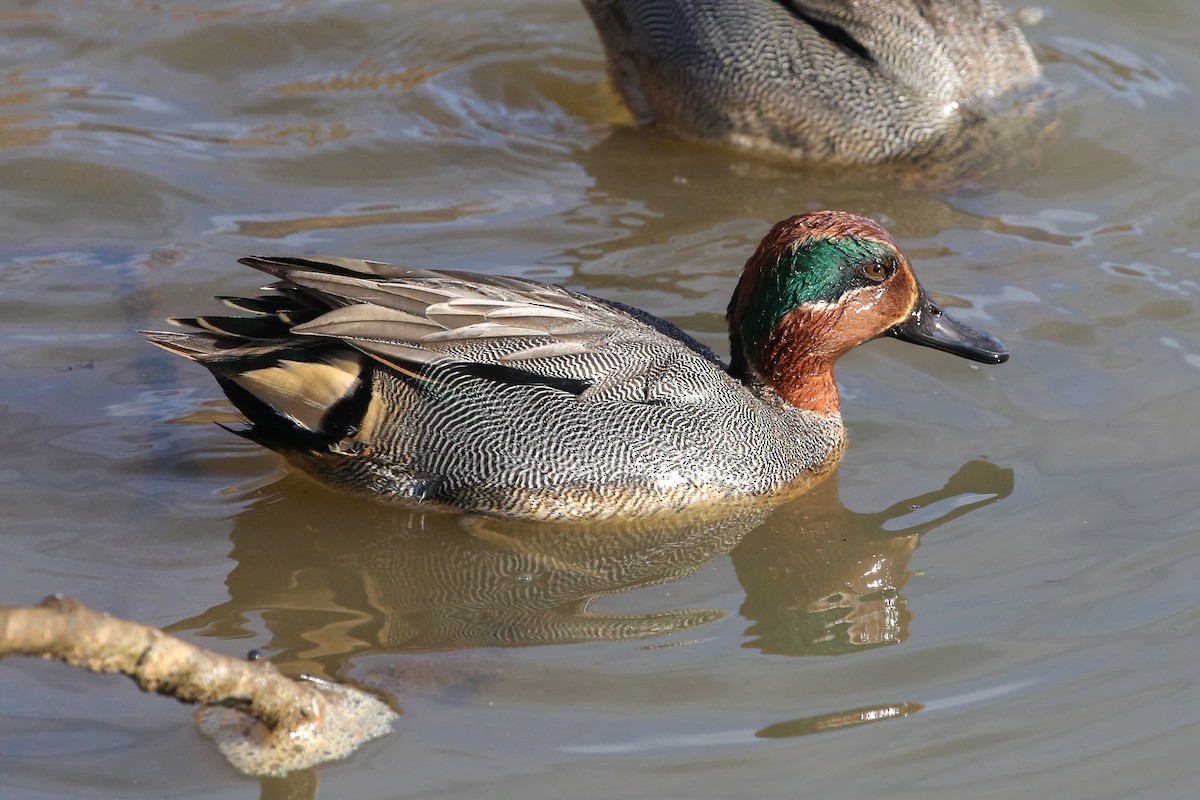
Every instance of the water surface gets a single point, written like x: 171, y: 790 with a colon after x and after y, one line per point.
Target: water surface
x: 994, y: 597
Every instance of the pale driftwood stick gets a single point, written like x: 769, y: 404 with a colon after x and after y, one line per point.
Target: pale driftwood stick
x: 63, y: 629
x: 304, y: 724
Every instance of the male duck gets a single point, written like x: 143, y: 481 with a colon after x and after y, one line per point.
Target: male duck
x: 517, y: 398
x: 864, y: 82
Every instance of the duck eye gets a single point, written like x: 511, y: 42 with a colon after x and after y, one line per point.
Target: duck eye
x: 875, y: 271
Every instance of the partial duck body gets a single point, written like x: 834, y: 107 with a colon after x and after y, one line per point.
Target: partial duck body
x: 869, y: 82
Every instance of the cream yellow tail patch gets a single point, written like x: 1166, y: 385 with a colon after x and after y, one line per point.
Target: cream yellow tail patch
x: 303, y: 391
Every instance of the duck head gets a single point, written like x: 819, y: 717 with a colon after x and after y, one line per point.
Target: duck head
x: 821, y: 284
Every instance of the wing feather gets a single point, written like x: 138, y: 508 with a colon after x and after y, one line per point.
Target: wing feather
x: 411, y: 319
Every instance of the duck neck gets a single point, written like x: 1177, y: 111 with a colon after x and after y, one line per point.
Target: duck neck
x: 808, y: 386
x: 789, y: 363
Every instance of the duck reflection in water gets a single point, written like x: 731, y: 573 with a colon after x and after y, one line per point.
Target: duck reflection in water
x: 334, y: 578
x: 824, y: 580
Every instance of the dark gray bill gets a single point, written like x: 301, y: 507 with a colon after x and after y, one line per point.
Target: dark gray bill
x: 928, y: 325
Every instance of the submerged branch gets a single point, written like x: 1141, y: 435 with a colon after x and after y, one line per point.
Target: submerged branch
x: 290, y: 724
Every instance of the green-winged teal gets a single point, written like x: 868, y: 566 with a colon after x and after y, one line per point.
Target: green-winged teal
x: 863, y: 82
x: 506, y: 396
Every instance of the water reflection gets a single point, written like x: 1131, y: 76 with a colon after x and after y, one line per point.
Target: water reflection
x: 666, y: 176
x: 383, y: 579
x: 821, y: 723
x: 332, y: 577
x: 821, y: 579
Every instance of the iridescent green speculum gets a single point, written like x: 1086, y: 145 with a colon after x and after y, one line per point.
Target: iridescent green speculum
x: 816, y: 271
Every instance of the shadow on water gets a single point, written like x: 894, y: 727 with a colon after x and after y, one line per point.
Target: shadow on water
x: 333, y: 578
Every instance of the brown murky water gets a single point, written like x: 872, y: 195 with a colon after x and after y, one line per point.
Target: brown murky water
x: 1041, y: 641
